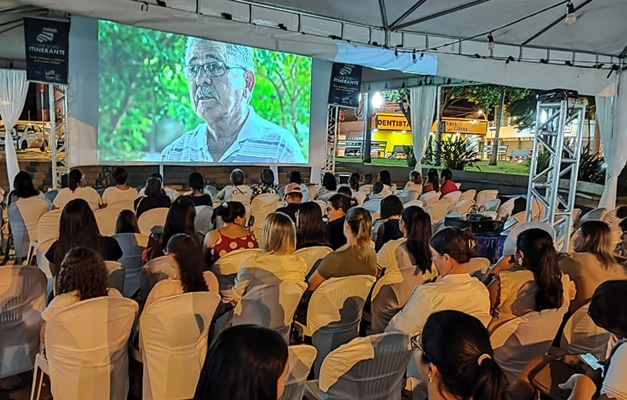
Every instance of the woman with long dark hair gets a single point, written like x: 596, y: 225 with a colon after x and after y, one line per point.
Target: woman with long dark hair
x: 455, y: 358
x: 154, y: 197
x: 126, y: 222
x: 266, y: 185
x: 76, y: 190
x: 329, y: 185
x: 246, y: 362
x: 386, y: 179
x: 353, y: 182
x: 310, y: 228
x: 23, y: 188
x: 534, y: 283
x: 433, y: 182
x: 78, y: 228
x: 185, y: 257
x: 196, y: 192
x: 337, y: 207
x: 232, y: 236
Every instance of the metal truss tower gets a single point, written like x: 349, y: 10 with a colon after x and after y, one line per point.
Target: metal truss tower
x: 333, y: 124
x: 59, y: 113
x: 553, y: 119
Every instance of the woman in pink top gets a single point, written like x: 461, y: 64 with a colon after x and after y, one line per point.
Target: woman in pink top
x: 448, y: 185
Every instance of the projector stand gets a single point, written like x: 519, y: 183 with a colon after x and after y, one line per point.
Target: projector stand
x: 553, y: 119
x: 59, y: 113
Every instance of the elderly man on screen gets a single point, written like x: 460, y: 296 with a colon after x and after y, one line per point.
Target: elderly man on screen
x: 221, y: 80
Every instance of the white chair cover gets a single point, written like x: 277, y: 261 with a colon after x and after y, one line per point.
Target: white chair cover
x: 22, y: 299
x: 272, y: 306
x: 300, y: 360
x: 313, y: 254
x: 408, y: 195
x: 106, y: 219
x: 262, y: 206
x: 24, y: 215
x: 334, y: 312
x: 506, y: 208
x: 116, y: 274
x: 154, y: 271
x: 468, y: 195
x: 173, y: 343
x: 325, y: 197
x: 518, y: 341
x: 462, y: 206
x: 453, y: 197
x: 202, y: 222
x: 478, y: 264
x: 368, y: 368
x: 323, y: 206
x: 509, y: 247
x: 374, y: 206
x: 418, y: 203
x: 582, y: 335
x: 152, y: 218
x: 492, y: 205
x: 226, y: 269
x: 596, y: 214
x: 86, y: 347
x: 50, y: 195
x: 48, y: 226
x: 132, y: 245
x: 429, y: 197
x: 437, y: 210
x: 366, y: 189
x: 520, y: 217
x: 486, y: 195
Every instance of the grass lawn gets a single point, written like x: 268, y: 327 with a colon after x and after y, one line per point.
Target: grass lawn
x: 503, y: 167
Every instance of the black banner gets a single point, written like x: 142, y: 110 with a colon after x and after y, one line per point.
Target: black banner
x: 345, y: 85
x: 47, y: 44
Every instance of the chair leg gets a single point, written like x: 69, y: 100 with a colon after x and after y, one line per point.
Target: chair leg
x: 38, y: 379
x: 31, y: 254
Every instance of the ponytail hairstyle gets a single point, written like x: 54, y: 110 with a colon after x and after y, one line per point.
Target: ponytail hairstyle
x: 418, y: 232
x: 74, y: 179
x: 340, y: 201
x: 353, y: 181
x: 432, y: 178
x: 597, y: 239
x: 458, y: 345
x: 229, y: 211
x: 540, y: 258
x: 391, y: 206
x: 188, y: 255
x: 359, y: 222
x: 457, y: 243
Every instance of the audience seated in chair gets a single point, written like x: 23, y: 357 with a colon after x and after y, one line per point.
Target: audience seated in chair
x: 196, y: 192
x: 276, y: 263
x: 185, y: 257
x: 346, y: 191
x: 23, y: 188
x: 266, y: 185
x: 353, y: 183
x: 78, y: 228
x: 356, y: 257
x: 337, y: 207
x: 232, y: 236
x: 531, y: 282
x: 165, y: 190
x: 245, y: 362
x: 448, y: 185
x: 390, y: 229
x: 120, y: 195
x: 293, y: 199
x: 154, y: 197
x: 592, y: 263
x: 310, y: 228
x: 414, y: 183
x: 76, y: 190
x: 376, y: 194
x: 295, y: 177
x: 433, y: 182
x: 367, y: 185
x: 386, y: 179
x: 451, y: 250
x: 126, y: 222
x: 236, y: 191
x: 329, y: 185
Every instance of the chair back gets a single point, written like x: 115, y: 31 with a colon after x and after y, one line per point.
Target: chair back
x: 462, y: 206
x: 520, y: 217
x: 48, y: 226
x: 202, y: 222
x: 227, y: 267
x: 506, y: 208
x: 334, y: 312
x: 106, y: 219
x: 132, y: 245
x: 437, y: 210
x: 520, y: 340
x: 429, y: 197
x: 322, y: 205
x: 509, y: 247
x: 492, y: 205
x: 486, y: 195
x: 312, y: 189
x: 408, y: 195
x: 468, y: 195
x: 23, y: 216
x: 262, y: 206
x: 366, y: 189
x: 374, y: 207
x: 86, y: 347
x: 173, y: 341
x: 453, y: 197
x: 478, y: 264
x: 367, y: 368
x: 582, y: 335
x: 116, y: 275
x: 152, y: 218
x: 153, y: 272
x: 50, y: 195
x: 313, y: 254
x: 417, y: 203
x: 22, y: 299
x: 272, y: 306
x: 596, y: 214
x: 300, y: 359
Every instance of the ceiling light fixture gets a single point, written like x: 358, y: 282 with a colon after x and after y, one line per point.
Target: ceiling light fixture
x: 413, y: 57
x: 490, y: 41
x: 571, y: 17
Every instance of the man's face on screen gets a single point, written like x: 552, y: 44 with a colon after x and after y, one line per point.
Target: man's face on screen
x: 217, y: 99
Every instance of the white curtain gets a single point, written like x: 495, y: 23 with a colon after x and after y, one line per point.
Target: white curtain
x: 13, y: 88
x: 422, y: 103
x: 612, y: 120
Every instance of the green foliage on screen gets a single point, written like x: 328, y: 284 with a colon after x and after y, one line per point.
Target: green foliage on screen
x: 144, y: 101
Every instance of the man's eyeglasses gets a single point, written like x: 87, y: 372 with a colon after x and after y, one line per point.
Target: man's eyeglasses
x: 212, y: 69
x: 416, y: 343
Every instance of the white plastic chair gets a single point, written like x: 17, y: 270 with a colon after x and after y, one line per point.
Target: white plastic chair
x: 313, y: 254
x: 262, y: 206
x: 478, y: 264
x: 22, y: 299
x: 429, y: 197
x: 418, y: 203
x: 597, y: 214
x: 520, y: 218
x: 462, y: 206
x: 86, y: 350
x: 506, y: 208
x: 272, y: 306
x: 153, y: 272
x: 582, y: 335
x: 23, y: 216
x: 374, y: 207
x: 116, y: 275
x: 48, y: 226
x: 518, y: 341
x: 453, y: 197
x: 173, y: 343
x: 202, y: 222
x: 492, y: 205
x: 132, y: 245
x: 106, y: 219
x: 152, y: 218
x: 486, y: 195
x: 509, y: 247
x: 334, y: 312
x: 227, y: 267
x: 408, y: 195
x: 437, y: 210
x: 301, y: 358
x: 468, y: 195
x: 366, y: 368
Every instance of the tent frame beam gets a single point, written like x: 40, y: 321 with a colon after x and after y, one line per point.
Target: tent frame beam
x: 406, y: 14
x: 552, y: 24
x: 440, y: 14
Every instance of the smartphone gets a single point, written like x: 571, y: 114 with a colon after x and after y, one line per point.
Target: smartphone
x: 591, y: 361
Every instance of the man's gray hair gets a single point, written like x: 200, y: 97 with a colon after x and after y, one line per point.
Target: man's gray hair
x: 237, y: 56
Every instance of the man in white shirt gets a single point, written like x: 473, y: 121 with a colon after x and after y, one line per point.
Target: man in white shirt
x: 119, y: 195
x: 237, y: 191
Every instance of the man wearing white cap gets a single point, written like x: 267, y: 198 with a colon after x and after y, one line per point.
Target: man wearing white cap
x: 293, y: 198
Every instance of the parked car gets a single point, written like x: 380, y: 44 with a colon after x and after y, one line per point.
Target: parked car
x: 26, y: 136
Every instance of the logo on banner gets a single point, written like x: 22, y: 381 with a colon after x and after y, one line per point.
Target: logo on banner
x: 345, y: 85
x: 46, y: 35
